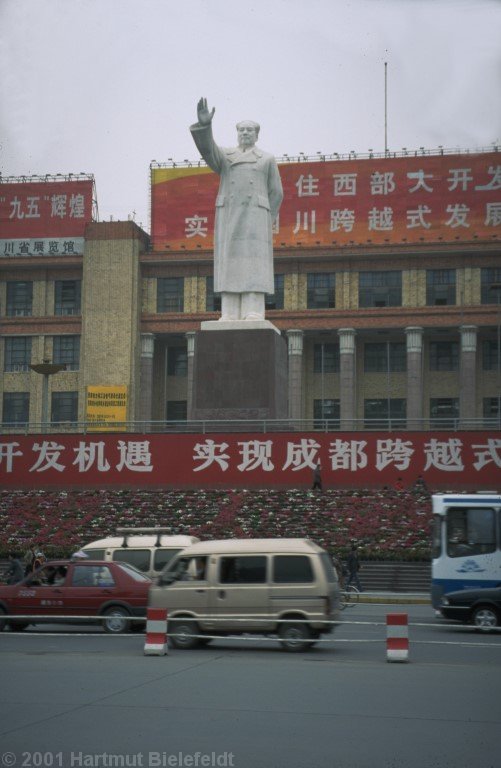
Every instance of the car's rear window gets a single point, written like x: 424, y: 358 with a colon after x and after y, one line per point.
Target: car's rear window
x: 92, y: 576
x: 133, y: 572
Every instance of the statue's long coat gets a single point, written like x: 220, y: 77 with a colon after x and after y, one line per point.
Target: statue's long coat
x: 250, y: 193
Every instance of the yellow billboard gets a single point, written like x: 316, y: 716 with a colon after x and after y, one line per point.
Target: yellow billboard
x: 107, y: 408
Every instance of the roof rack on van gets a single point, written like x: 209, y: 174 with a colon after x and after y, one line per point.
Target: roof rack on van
x: 126, y: 532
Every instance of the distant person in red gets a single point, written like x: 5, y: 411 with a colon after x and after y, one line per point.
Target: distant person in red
x: 399, y: 485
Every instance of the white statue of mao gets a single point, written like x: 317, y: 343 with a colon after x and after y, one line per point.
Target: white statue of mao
x: 249, y: 197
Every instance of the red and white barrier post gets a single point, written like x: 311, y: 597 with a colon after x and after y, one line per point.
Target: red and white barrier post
x: 397, y: 637
x: 156, y: 632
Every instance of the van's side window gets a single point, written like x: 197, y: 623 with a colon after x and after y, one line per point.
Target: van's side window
x: 95, y: 554
x: 163, y: 556
x: 139, y: 558
x: 242, y: 570
x: 292, y: 569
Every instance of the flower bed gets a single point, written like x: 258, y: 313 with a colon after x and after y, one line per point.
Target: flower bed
x: 386, y: 524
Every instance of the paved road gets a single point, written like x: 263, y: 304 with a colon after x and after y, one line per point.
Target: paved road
x: 71, y: 700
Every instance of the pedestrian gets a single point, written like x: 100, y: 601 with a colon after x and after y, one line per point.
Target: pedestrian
x: 39, y: 560
x: 15, y: 570
x: 29, y: 559
x: 317, y: 477
x: 353, y: 567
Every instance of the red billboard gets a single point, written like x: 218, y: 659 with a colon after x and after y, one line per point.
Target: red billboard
x: 445, y: 460
x: 36, y: 214
x: 377, y: 200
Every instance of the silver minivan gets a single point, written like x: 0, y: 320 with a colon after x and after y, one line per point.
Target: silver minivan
x: 147, y: 549
x: 284, y: 587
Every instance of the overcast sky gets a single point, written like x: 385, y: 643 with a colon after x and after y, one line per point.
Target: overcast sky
x: 106, y: 86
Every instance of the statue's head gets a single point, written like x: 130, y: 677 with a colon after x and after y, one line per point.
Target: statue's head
x: 247, y: 131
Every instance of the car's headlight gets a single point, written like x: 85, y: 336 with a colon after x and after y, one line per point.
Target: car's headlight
x: 444, y: 601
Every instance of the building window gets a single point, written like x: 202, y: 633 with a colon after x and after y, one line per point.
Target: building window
x: 490, y: 279
x: 66, y: 351
x: 440, y: 287
x: 16, y: 406
x: 67, y: 296
x: 321, y: 290
x: 177, y: 361
x: 170, y: 294
x: 444, y: 412
x: 380, y: 289
x: 212, y: 300
x: 384, y: 357
x: 17, y: 353
x: 326, y: 414
x: 444, y: 356
x: 326, y: 358
x: 276, y: 301
x: 383, y: 413
x: 19, y: 298
x: 490, y: 355
x: 64, y: 407
x: 492, y: 412
x: 177, y: 410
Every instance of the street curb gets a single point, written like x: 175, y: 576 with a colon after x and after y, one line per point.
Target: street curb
x: 393, y: 599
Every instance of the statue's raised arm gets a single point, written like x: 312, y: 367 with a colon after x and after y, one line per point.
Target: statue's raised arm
x: 204, y: 115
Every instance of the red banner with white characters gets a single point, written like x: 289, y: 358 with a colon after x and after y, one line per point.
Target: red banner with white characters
x: 45, y: 209
x: 412, y: 199
x: 445, y: 460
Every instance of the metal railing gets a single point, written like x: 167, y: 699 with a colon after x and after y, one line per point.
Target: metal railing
x: 261, y: 426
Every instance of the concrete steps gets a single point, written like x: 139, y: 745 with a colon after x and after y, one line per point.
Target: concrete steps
x: 395, y: 576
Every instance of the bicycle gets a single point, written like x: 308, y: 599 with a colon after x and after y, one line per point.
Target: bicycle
x: 349, y: 597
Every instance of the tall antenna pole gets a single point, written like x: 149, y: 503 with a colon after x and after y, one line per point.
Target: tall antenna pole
x: 386, y: 108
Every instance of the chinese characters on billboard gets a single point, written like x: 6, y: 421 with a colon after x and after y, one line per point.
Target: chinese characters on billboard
x: 44, y: 218
x: 465, y: 460
x: 107, y: 407
x: 430, y: 198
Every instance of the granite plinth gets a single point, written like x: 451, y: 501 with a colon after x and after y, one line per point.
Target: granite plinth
x: 238, y: 325
x: 239, y: 374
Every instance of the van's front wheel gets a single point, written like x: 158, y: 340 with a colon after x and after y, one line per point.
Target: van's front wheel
x: 295, y: 637
x: 183, y: 634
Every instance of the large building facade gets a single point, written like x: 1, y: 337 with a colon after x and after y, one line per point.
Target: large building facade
x: 382, y: 331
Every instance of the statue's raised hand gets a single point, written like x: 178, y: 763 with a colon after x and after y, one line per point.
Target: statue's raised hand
x: 204, y: 116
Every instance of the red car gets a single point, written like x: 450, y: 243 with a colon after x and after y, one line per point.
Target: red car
x: 78, y: 588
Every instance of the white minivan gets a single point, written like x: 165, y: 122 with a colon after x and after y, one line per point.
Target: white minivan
x: 284, y: 587
x: 148, y: 549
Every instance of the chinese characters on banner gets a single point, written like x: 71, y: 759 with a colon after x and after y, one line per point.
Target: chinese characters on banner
x: 44, y: 218
x: 379, y: 200
x: 452, y: 461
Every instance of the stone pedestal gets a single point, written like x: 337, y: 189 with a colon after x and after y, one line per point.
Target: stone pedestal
x: 239, y: 374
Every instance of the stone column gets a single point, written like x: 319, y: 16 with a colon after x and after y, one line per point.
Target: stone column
x: 415, y: 394
x: 347, y: 378
x: 468, y: 375
x: 190, y: 341
x: 295, y: 352
x: 146, y: 377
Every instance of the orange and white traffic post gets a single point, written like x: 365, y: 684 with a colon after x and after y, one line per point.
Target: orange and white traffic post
x: 397, y: 637
x: 156, y: 632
